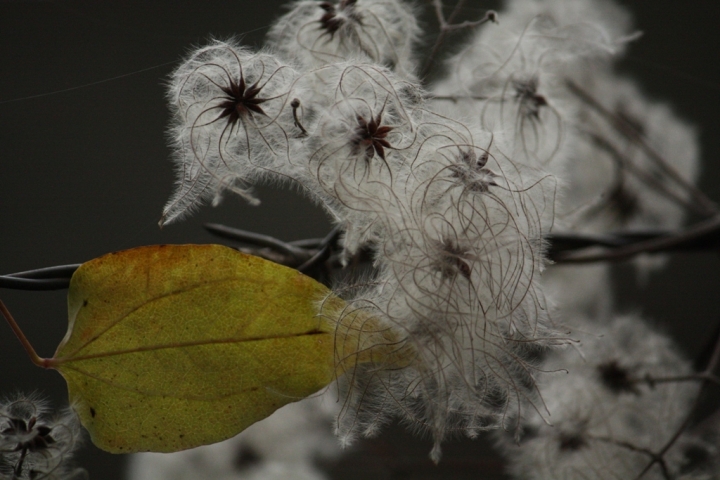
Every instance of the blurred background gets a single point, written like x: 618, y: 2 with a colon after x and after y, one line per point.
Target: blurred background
x: 85, y: 170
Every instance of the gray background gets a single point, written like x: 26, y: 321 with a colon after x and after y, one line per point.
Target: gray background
x: 86, y: 171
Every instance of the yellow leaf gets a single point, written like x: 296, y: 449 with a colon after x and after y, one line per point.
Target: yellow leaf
x: 172, y: 347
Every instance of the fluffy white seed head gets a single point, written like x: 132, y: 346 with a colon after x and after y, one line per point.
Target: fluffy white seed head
x: 363, y: 129
x: 614, y: 182
x: 511, y: 77
x: 316, y: 33
x: 232, y: 123
x: 603, y: 415
x: 456, y: 225
x: 459, y: 255
x: 453, y: 201
x: 36, y: 444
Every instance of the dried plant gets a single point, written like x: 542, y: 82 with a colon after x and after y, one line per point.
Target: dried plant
x: 450, y: 192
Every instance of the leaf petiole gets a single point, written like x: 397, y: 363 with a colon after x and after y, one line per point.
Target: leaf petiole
x: 34, y: 357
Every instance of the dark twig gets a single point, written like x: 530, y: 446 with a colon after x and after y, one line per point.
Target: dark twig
x: 58, y: 272
x: 706, y: 352
x: 706, y: 377
x: 328, y: 243
x: 51, y: 278
x: 567, y: 242
x: 258, y: 239
x: 457, y: 98
x: 307, y: 243
x: 447, y: 26
x: 306, y: 253
x: 693, y: 377
x: 654, y: 456
x: 34, y: 284
x: 705, y: 233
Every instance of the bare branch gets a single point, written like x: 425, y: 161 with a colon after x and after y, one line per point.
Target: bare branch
x: 706, y: 231
x: 51, y: 278
x: 328, y: 244
x: 694, y: 377
x: 707, y: 376
x: 258, y: 239
x: 456, y: 98
x: 655, y: 457
x: 447, y: 26
x: 307, y: 253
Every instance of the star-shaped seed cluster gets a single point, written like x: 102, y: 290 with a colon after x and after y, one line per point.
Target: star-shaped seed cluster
x: 371, y: 137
